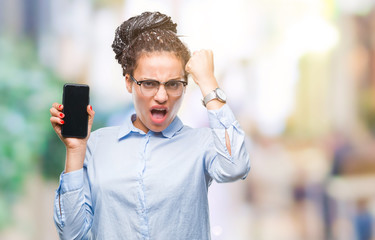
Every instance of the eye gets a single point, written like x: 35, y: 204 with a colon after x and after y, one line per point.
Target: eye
x: 173, y: 84
x: 150, y: 84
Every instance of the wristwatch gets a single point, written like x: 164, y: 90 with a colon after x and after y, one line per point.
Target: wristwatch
x: 215, y: 94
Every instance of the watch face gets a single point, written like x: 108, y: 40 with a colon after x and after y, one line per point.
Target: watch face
x: 221, y: 94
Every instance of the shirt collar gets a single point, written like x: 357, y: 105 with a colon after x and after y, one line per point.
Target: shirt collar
x: 128, y: 127
x: 173, y: 128
x: 169, y: 132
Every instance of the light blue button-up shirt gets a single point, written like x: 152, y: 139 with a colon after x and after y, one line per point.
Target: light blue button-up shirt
x: 135, y: 185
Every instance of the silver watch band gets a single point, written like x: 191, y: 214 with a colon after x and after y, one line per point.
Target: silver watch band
x: 212, y: 95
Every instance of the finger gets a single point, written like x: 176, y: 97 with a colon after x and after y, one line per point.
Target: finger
x: 56, y: 121
x: 91, y: 118
x: 56, y: 126
x: 91, y: 113
x: 210, y: 53
x: 56, y: 113
x: 188, y: 67
x: 58, y: 106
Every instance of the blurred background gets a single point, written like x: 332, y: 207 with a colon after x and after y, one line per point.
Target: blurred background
x: 299, y: 75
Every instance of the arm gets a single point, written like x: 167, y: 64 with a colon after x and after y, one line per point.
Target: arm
x: 72, y: 208
x: 75, y: 147
x: 221, y: 164
x: 230, y: 160
x: 201, y: 67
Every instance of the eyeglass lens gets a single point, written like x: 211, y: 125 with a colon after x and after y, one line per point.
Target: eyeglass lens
x: 173, y: 87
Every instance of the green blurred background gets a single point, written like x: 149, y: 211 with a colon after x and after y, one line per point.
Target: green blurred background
x: 300, y: 77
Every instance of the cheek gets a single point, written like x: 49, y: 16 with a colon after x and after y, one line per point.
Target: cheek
x: 136, y: 100
x: 177, y: 104
x: 140, y: 102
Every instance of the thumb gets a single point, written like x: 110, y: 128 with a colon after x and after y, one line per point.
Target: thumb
x: 91, y: 113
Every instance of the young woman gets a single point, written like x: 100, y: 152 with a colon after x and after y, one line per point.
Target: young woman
x: 148, y: 179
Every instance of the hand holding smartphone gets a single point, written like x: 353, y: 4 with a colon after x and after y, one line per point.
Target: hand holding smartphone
x: 75, y: 101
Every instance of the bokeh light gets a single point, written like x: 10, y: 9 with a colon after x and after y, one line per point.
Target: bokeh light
x: 299, y: 75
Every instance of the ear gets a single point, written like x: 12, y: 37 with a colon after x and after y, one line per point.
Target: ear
x: 129, y: 83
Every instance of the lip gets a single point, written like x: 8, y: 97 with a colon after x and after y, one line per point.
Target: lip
x: 158, y: 121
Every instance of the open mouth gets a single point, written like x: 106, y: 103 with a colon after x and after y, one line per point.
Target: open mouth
x: 158, y: 115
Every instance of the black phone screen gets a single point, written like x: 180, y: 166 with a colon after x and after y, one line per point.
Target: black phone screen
x: 75, y: 101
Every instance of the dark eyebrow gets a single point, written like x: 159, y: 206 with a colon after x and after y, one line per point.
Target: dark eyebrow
x: 172, y: 79
x: 149, y: 79
x: 175, y: 79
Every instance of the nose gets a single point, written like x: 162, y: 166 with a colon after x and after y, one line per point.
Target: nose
x: 161, y: 95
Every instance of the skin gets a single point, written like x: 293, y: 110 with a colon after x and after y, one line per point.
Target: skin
x: 75, y: 147
x: 161, y: 66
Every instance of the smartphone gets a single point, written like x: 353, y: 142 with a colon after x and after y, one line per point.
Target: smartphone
x: 75, y: 100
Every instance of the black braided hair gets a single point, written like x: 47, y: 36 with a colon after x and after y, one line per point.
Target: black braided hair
x: 148, y: 32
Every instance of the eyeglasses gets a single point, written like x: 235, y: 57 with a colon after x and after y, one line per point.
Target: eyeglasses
x: 151, y: 87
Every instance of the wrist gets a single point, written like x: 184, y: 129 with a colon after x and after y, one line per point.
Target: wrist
x: 74, y: 158
x: 71, y: 166
x: 215, y: 99
x: 208, y: 86
x: 214, y: 105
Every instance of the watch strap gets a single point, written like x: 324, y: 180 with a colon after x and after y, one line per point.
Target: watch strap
x: 211, y: 96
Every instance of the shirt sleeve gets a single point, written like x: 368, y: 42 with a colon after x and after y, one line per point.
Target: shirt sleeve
x: 220, y: 165
x: 73, y: 213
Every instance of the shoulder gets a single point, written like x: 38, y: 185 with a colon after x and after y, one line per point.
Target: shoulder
x: 104, y: 133
x: 196, y: 134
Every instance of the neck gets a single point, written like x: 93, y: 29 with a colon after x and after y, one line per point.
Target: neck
x: 138, y: 124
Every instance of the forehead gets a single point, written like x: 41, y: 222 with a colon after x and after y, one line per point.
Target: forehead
x: 159, y: 65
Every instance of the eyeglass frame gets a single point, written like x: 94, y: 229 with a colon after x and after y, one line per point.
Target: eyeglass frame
x: 139, y: 83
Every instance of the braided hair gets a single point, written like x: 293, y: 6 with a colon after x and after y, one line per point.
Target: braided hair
x: 146, y: 33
